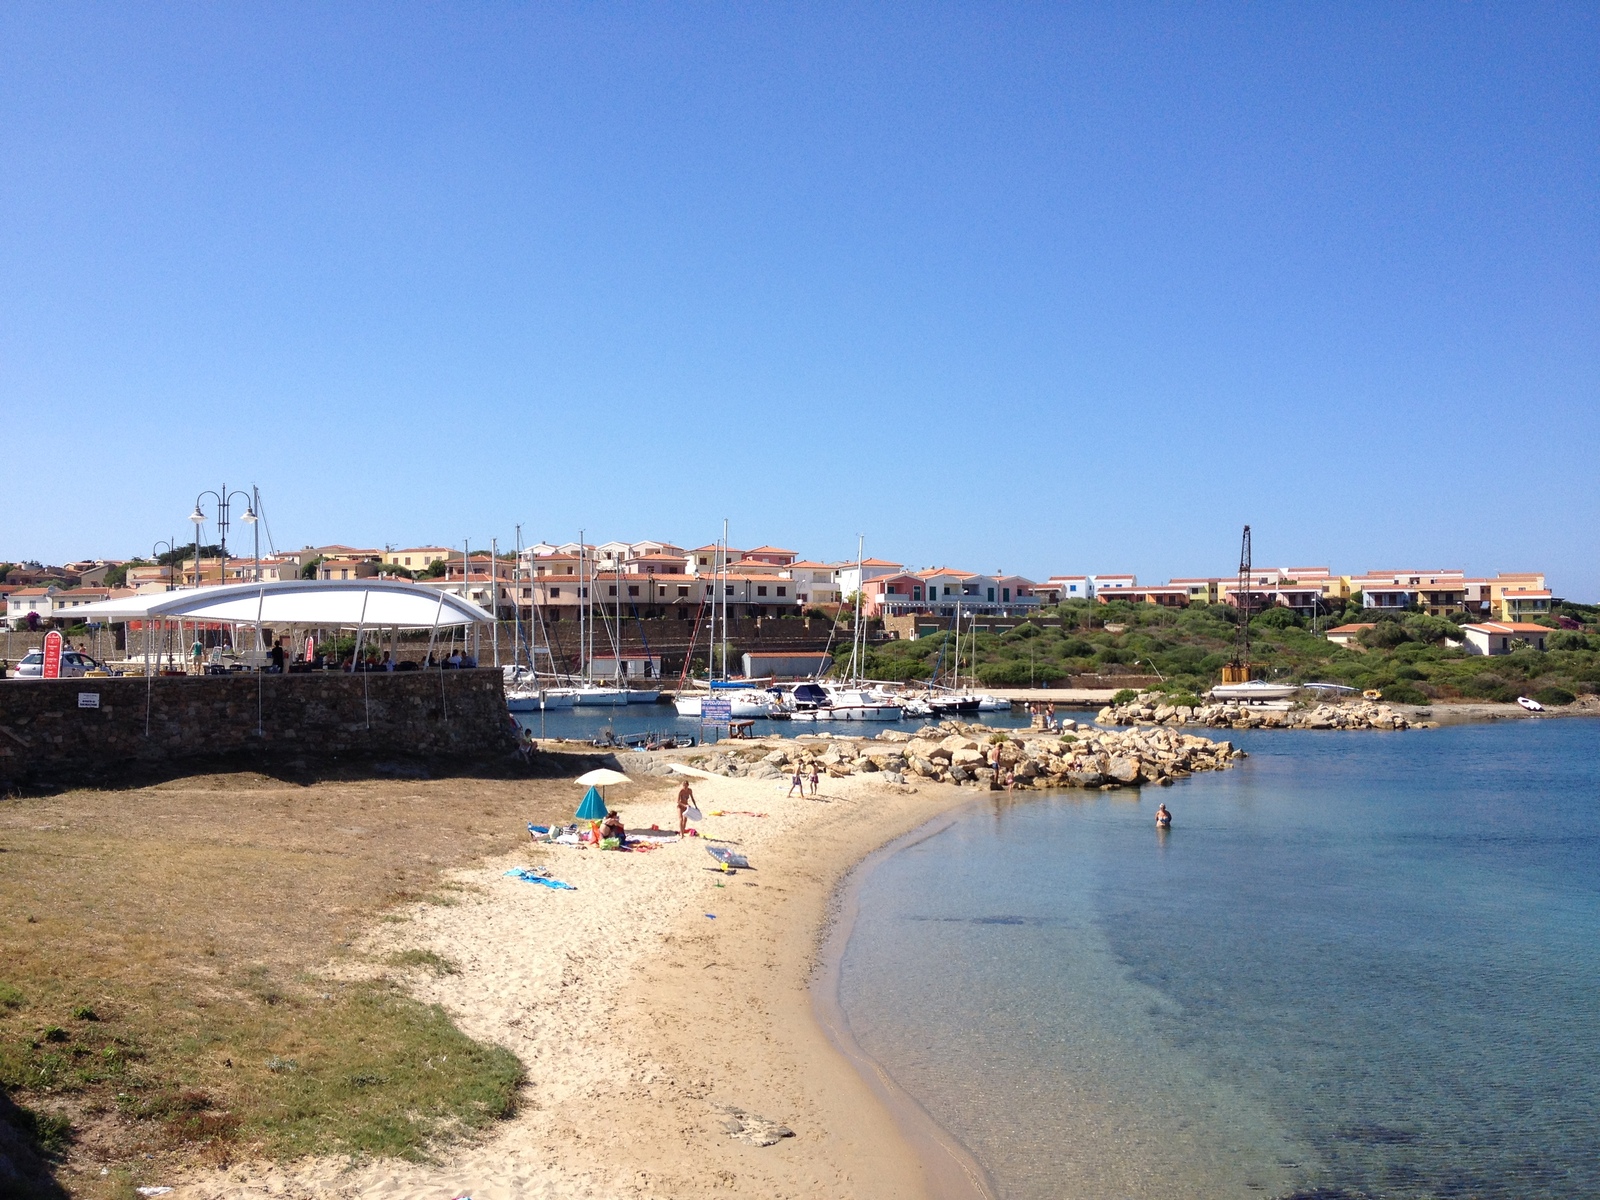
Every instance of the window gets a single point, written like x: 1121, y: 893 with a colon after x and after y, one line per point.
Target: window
x: 408, y: 562
x: 613, y: 589
x: 761, y: 590
x: 554, y: 592
x: 682, y: 590
x: 783, y: 591
x: 1005, y: 593
x: 729, y: 589
x: 633, y: 589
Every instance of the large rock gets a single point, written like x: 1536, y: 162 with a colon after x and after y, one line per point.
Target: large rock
x: 966, y: 758
x: 1123, y: 769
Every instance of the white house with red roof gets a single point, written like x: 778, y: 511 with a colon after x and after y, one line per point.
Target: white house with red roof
x: 851, y: 575
x: 1503, y: 637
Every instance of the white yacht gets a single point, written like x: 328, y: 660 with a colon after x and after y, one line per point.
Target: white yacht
x: 1255, y: 689
x: 743, y: 703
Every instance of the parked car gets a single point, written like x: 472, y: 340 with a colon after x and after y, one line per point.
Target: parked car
x: 73, y: 665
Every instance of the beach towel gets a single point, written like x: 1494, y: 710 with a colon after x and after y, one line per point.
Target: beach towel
x: 534, y: 875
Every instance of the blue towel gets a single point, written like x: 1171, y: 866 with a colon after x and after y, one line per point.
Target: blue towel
x: 528, y: 875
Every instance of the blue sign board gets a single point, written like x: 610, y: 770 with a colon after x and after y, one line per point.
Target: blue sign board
x: 716, y: 711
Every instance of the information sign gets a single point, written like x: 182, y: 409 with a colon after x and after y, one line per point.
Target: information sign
x: 88, y: 699
x: 52, y: 655
x: 716, y: 712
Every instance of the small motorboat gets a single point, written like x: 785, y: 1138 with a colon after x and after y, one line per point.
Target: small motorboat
x: 1529, y: 703
x: 1256, y: 689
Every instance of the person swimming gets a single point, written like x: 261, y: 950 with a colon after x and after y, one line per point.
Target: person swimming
x: 1163, y: 817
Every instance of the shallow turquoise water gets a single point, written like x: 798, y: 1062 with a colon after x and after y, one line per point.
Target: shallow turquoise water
x: 1359, y: 965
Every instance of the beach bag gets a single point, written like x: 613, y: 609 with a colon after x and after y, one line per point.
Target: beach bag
x: 693, y: 813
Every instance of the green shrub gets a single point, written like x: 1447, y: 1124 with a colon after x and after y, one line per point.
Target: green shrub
x: 1568, y: 639
x: 1385, y: 635
x: 1554, y: 697
x: 1125, y: 696
x: 1276, y: 618
x: 1487, y: 686
x: 1404, y: 693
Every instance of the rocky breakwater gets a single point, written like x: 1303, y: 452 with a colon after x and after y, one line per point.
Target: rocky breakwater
x: 981, y: 757
x: 1154, y: 710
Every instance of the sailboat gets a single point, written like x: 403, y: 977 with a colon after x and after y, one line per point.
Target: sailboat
x: 854, y: 700
x: 745, y: 700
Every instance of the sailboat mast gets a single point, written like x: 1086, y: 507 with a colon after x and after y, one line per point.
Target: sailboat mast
x: 861, y: 584
x: 724, y: 598
x: 583, y: 609
x: 516, y: 604
x: 494, y: 598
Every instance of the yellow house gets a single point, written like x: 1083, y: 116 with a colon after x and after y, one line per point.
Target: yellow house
x: 1522, y: 604
x: 417, y: 558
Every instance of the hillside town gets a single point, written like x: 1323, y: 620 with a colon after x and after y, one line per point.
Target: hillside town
x: 657, y: 580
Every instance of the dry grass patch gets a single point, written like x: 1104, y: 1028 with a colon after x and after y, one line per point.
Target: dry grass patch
x: 159, y: 951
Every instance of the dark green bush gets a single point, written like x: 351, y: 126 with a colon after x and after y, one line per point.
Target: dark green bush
x: 1404, y: 693
x: 1276, y: 618
x: 1385, y: 635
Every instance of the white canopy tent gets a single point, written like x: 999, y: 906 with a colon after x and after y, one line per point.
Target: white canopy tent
x: 330, y: 604
x: 364, y: 605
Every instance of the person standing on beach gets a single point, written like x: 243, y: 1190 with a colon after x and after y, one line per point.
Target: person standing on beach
x: 798, y: 783
x: 815, y: 777
x: 685, y: 799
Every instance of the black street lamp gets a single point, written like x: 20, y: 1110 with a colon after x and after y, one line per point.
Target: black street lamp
x: 155, y: 553
x: 223, y: 498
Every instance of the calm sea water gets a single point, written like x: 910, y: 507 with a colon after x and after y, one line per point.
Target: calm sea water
x: 1360, y: 965
x: 584, y: 723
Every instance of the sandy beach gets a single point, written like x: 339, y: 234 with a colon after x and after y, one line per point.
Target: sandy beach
x: 663, y: 1010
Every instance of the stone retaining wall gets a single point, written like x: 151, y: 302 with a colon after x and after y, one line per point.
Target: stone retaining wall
x: 47, y: 738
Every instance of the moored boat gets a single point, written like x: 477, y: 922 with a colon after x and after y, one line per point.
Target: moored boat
x: 1255, y: 689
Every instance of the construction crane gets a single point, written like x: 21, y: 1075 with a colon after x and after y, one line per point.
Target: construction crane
x: 1238, y: 671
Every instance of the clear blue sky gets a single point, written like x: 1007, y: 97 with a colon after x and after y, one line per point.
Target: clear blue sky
x: 1035, y: 287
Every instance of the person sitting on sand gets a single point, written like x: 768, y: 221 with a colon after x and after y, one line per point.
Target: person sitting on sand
x: 611, y: 827
x: 1163, y: 817
x: 685, y: 799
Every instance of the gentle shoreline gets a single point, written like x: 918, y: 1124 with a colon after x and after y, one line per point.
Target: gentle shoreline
x: 646, y: 1027
x: 953, y: 1173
